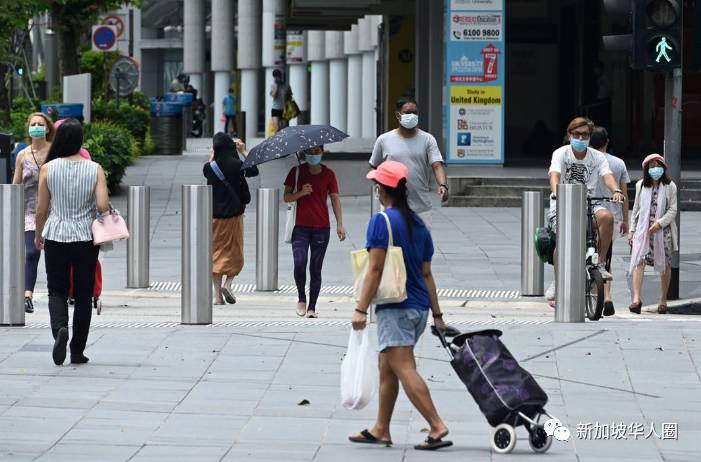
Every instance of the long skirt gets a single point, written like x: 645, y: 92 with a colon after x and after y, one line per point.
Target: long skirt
x: 227, y: 245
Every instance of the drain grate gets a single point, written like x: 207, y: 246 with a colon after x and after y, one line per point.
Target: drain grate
x: 280, y: 323
x: 348, y: 290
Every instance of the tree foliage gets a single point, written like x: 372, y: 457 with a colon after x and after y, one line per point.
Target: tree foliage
x: 71, y: 20
x: 14, y: 21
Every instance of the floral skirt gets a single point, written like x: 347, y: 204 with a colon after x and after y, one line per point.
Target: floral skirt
x: 668, y: 248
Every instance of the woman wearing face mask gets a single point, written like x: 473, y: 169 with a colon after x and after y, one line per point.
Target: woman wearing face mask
x: 653, y: 234
x: 310, y: 185
x: 40, y: 133
x: 400, y: 325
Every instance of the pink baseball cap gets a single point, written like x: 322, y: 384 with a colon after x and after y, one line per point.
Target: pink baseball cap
x: 656, y: 157
x: 389, y: 173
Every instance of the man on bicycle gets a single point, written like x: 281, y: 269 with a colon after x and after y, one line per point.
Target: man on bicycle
x: 577, y: 163
x: 600, y: 141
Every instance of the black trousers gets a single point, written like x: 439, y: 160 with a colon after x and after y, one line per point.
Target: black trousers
x: 59, y: 257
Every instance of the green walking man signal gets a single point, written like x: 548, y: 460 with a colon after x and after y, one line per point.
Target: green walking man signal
x: 661, y: 50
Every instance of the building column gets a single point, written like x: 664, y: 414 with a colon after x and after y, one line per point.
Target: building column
x: 222, y: 55
x: 338, y: 79
x: 273, y: 46
x: 248, y: 60
x: 320, y: 78
x: 299, y: 76
x: 354, y: 114
x: 430, y: 66
x: 367, y: 41
x: 194, y: 37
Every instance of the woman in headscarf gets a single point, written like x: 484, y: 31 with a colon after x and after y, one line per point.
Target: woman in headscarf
x: 230, y: 196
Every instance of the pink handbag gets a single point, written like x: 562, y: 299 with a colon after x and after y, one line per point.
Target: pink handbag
x: 109, y: 227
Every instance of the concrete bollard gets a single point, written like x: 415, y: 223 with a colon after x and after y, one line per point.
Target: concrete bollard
x: 196, y: 295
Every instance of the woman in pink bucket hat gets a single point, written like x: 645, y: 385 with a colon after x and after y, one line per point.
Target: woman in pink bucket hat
x: 653, y: 229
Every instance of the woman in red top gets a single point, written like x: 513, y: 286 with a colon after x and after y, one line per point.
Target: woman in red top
x: 312, y: 226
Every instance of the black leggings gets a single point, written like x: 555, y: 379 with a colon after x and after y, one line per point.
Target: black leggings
x: 31, y: 261
x: 59, y: 257
x: 303, y: 239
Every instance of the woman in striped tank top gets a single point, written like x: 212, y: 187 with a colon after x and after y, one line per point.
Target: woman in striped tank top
x: 71, y: 189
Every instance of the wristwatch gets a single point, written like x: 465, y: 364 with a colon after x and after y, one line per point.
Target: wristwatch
x: 443, y: 185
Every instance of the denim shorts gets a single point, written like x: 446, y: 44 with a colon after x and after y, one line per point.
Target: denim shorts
x: 400, y: 327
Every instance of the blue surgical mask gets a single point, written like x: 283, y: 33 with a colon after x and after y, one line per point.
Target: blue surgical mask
x: 656, y: 172
x: 37, y: 132
x: 579, y: 145
x: 313, y: 159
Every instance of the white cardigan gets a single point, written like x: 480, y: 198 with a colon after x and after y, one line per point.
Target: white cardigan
x: 669, y: 217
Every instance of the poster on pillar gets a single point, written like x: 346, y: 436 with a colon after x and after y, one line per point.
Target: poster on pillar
x: 475, y: 64
x: 295, y: 47
x: 280, y: 42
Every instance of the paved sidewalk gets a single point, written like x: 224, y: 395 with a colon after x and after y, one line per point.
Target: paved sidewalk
x: 158, y: 391
x: 476, y: 248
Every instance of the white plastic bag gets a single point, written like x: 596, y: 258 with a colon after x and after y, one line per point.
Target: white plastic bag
x: 358, y: 371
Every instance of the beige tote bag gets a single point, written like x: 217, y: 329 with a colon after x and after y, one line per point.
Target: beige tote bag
x: 392, y: 287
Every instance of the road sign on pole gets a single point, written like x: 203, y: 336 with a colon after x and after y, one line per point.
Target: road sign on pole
x: 672, y: 154
x: 104, y: 38
x: 116, y: 21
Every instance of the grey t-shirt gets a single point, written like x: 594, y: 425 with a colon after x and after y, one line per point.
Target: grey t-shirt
x: 281, y: 95
x: 418, y: 153
x: 620, y: 174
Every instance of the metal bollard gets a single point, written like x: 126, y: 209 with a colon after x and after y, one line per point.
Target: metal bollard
x: 531, y: 265
x: 267, y: 223
x: 12, y: 254
x: 138, y: 245
x: 375, y: 205
x: 196, y: 295
x: 571, y: 236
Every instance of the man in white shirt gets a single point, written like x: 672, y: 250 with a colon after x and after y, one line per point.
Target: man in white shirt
x: 577, y: 163
x: 417, y: 150
x: 600, y: 141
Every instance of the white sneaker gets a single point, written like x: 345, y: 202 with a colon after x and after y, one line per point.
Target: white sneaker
x: 605, y: 275
x: 550, y: 293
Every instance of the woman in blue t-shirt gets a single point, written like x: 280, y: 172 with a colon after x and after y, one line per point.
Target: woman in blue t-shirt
x: 399, y: 325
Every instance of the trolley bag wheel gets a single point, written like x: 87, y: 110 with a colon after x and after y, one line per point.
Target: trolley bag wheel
x: 503, y: 438
x: 594, y: 295
x: 539, y: 440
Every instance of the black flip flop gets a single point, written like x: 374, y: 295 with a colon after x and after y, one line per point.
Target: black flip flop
x: 431, y: 444
x: 368, y: 438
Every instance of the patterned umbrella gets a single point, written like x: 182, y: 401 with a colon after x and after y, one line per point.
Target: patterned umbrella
x: 290, y: 140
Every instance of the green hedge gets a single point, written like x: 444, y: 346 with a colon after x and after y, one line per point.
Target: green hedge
x: 132, y: 117
x: 113, y: 147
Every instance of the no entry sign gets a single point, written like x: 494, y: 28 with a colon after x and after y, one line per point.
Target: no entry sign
x: 104, y: 38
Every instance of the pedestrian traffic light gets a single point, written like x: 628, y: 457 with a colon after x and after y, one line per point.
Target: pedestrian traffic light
x: 20, y: 71
x: 619, y: 16
x: 657, y: 33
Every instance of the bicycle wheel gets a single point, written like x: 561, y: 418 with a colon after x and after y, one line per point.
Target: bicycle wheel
x: 594, y: 294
